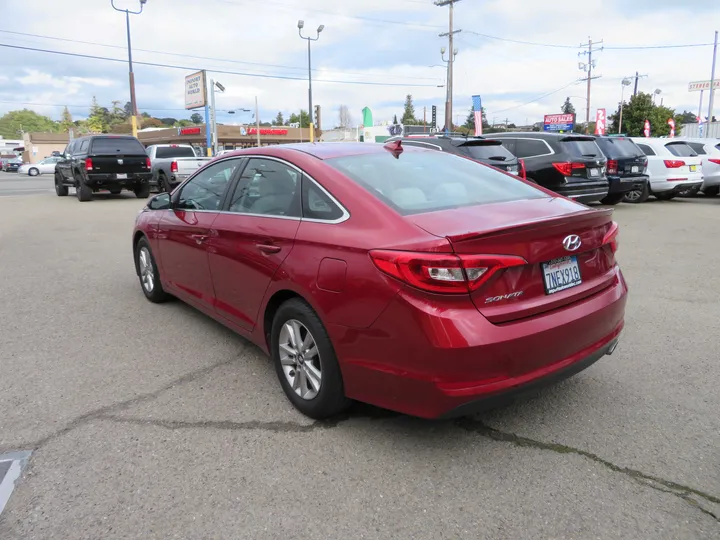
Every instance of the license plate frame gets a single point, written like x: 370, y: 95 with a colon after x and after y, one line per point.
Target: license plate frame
x: 635, y: 169
x: 571, y: 279
x: 693, y: 168
x: 593, y: 173
x: 121, y: 176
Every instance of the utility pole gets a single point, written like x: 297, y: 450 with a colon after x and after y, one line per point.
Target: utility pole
x: 636, y: 82
x: 424, y: 119
x: 588, y: 67
x: 450, y: 35
x: 712, y: 86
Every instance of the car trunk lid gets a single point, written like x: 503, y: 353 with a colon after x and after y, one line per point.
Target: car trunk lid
x: 554, y: 275
x: 586, y: 160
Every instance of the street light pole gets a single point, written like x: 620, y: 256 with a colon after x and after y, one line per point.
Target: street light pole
x: 300, y: 26
x: 133, y: 102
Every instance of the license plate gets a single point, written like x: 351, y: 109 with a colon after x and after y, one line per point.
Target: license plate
x: 561, y: 274
x: 693, y: 168
x: 635, y: 168
x: 122, y: 176
x: 594, y: 172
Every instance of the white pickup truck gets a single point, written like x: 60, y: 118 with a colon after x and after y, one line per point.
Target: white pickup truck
x: 173, y: 163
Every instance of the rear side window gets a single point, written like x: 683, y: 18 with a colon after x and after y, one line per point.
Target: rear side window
x: 680, y: 149
x: 162, y: 152
x: 646, y: 149
x: 698, y: 147
x: 117, y: 145
x: 494, y: 151
x: 316, y: 204
x: 619, y: 148
x: 581, y: 148
x: 525, y: 148
x: 424, y: 181
x: 84, y: 146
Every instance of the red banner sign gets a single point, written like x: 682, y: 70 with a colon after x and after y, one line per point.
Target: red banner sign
x: 646, y: 128
x: 267, y: 131
x: 190, y: 131
x: 671, y: 123
x: 600, y: 122
x: 559, y: 118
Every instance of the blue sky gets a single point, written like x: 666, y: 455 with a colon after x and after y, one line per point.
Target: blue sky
x: 379, y: 41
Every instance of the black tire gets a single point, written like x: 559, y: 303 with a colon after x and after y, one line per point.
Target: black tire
x: 163, y: 183
x: 637, y: 196
x: 613, y: 198
x: 156, y: 294
x: 84, y: 193
x: 33, y: 171
x: 330, y: 399
x: 712, y: 191
x: 665, y: 196
x: 142, y: 191
x: 60, y: 189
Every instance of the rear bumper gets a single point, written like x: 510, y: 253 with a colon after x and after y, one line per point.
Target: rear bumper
x: 104, y: 180
x: 444, y: 358
x: 676, y: 187
x: 584, y: 192
x: 623, y: 184
x: 711, y: 180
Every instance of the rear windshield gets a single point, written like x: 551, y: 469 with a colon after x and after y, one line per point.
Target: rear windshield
x: 619, y: 148
x: 681, y: 149
x: 581, y: 148
x: 425, y: 180
x: 117, y: 145
x: 174, y: 151
x: 493, y: 151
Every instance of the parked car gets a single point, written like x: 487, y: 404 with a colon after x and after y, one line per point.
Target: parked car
x: 411, y: 279
x: 569, y: 164
x: 173, y: 163
x: 709, y: 151
x: 46, y: 166
x: 626, y: 169
x: 485, y: 150
x: 673, y: 168
x: 11, y: 164
x: 103, y: 162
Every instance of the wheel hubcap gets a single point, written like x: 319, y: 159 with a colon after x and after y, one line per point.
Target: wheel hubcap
x: 632, y: 195
x: 300, y: 359
x: 147, y: 276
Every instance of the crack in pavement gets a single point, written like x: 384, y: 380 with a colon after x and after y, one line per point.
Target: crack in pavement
x: 653, y: 482
x: 226, y: 425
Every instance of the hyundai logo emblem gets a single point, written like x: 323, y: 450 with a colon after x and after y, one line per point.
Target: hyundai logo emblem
x: 572, y: 242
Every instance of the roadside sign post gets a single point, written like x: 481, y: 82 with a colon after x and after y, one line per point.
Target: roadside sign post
x: 195, y: 98
x: 600, y: 122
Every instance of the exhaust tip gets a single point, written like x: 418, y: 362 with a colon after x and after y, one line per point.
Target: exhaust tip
x: 612, y: 347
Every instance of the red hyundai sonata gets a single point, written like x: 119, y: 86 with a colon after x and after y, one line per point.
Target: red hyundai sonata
x: 410, y: 279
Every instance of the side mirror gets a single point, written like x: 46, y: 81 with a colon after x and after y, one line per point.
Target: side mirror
x: 161, y: 201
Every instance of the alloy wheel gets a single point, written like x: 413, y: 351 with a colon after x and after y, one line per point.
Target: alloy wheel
x: 147, y: 275
x: 632, y: 196
x: 300, y: 359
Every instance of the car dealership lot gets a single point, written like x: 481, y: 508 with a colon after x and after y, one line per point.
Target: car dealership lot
x: 154, y: 421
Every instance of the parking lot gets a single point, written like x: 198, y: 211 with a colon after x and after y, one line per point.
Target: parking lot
x: 153, y: 421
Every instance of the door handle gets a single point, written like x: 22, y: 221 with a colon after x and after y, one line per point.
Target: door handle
x: 199, y: 238
x: 268, y: 249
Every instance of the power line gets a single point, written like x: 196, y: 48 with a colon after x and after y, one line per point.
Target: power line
x: 124, y: 48
x: 74, y: 106
x: 195, y: 68
x: 537, y: 98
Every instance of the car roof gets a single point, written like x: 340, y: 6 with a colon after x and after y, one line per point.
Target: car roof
x: 324, y: 150
x: 541, y: 135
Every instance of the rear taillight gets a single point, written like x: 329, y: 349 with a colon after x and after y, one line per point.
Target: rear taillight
x: 148, y: 164
x: 567, y: 168
x: 611, y: 237
x: 523, y: 171
x: 88, y: 164
x: 674, y: 163
x: 442, y: 273
x: 174, y: 167
x: 612, y: 166
x: 715, y: 161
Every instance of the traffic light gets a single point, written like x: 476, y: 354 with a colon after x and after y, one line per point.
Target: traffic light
x: 317, y: 117
x: 434, y: 116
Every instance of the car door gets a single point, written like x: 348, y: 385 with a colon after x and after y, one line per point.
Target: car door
x: 64, y: 163
x: 184, y: 230
x: 250, y: 240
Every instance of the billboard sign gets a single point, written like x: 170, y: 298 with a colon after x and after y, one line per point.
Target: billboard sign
x: 600, y: 122
x: 195, y: 90
x: 702, y: 85
x: 189, y: 131
x: 559, y: 122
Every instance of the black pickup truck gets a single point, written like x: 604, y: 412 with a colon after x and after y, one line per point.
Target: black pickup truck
x: 103, y: 162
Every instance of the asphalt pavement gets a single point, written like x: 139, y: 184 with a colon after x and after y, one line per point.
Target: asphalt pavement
x: 153, y: 421
x: 14, y: 185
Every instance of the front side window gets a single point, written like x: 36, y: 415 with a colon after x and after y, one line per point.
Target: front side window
x: 268, y: 188
x: 424, y: 181
x: 206, y: 189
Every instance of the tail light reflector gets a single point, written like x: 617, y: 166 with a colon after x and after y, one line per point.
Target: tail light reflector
x: 611, y: 237
x: 174, y: 167
x: 715, y: 161
x: 612, y: 166
x: 674, y: 163
x: 442, y: 272
x: 88, y: 164
x: 523, y: 170
x: 148, y: 164
x: 567, y: 168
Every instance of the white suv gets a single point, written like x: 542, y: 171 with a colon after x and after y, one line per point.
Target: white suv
x: 709, y: 151
x: 673, y: 167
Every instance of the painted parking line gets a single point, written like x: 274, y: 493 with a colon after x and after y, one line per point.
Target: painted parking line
x: 11, y: 467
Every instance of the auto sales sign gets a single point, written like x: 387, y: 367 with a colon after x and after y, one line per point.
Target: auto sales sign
x: 195, y: 95
x: 559, y: 122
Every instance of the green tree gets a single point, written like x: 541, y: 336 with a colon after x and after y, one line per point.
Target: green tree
x: 14, y: 123
x: 687, y: 117
x: 641, y: 108
x: 183, y: 123
x: 304, y: 119
x: 117, y: 114
x: 395, y: 121
x: 279, y: 120
x: 567, y: 107
x: 97, y: 121
x: 196, y: 118
x: 470, y: 121
x: 127, y: 109
x: 408, y: 118
x: 66, y: 122
x: 169, y: 121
